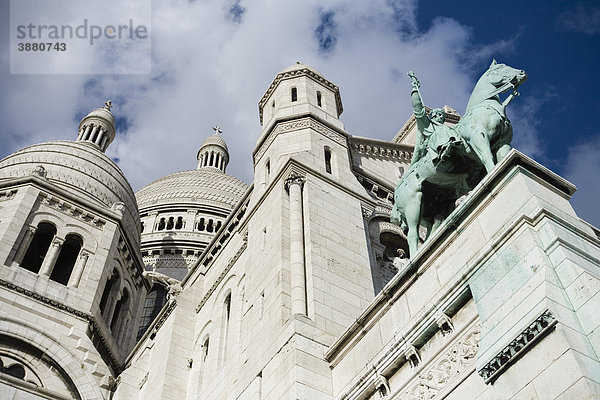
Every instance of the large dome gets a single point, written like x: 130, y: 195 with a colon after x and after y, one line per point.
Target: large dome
x: 207, y: 186
x: 80, y: 168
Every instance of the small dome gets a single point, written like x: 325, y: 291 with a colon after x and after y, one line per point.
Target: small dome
x: 215, y: 139
x: 207, y: 186
x: 298, y: 66
x: 102, y: 113
x: 78, y: 168
x: 98, y: 127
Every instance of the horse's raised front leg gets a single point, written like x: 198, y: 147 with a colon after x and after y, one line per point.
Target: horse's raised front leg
x: 412, y: 213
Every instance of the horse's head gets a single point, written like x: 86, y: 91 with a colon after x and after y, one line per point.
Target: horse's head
x: 501, y: 75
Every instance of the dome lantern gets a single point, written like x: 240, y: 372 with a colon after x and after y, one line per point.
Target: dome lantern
x: 98, y: 127
x: 213, y: 153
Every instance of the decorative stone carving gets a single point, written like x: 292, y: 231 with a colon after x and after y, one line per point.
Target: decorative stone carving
x: 119, y: 207
x: 39, y: 171
x: 413, y: 357
x: 382, y: 387
x: 445, y: 324
x: 294, y: 179
x: 459, y: 358
x: 518, y: 346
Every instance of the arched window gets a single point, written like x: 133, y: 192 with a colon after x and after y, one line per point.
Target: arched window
x: 161, y: 224
x: 294, y: 94
x: 156, y: 299
x: 209, y: 228
x: 318, y: 98
x: 327, y: 160
x: 66, y: 259
x: 171, y: 223
x: 112, y: 285
x: 179, y: 223
x: 38, y: 248
x: 218, y: 226
x: 227, y: 308
x: 212, y: 159
x: 120, y: 312
x: 201, y: 226
x: 225, y: 326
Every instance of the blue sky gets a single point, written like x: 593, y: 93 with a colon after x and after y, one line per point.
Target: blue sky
x: 212, y: 61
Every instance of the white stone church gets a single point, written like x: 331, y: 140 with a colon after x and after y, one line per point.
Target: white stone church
x: 202, y: 287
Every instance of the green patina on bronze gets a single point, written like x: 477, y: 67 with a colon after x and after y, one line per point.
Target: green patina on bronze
x: 448, y: 162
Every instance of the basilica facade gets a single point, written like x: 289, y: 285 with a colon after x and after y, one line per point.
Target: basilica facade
x: 200, y: 286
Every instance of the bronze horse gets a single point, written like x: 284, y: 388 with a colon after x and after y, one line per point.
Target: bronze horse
x: 427, y: 192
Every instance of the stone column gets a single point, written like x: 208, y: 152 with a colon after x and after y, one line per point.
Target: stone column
x: 92, y: 136
x: 27, y: 237
x: 78, y: 270
x: 111, y: 307
x: 152, y: 222
x: 86, y: 134
x: 101, y: 132
x: 298, y: 274
x: 51, y: 256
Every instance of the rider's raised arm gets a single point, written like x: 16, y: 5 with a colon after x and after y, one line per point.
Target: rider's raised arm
x: 417, y: 101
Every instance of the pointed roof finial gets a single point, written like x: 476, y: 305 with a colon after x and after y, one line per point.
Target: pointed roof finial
x: 217, y: 129
x: 108, y: 105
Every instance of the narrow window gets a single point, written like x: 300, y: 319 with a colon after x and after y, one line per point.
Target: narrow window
x: 227, y: 307
x: 142, y: 230
x: 66, y: 259
x: 294, y: 94
x: 261, y: 308
x: 209, y: 228
x: 120, y: 312
x: 111, y: 285
x: 201, y: 226
x: 218, y: 226
x: 161, y: 224
x: 170, y: 223
x: 179, y: 223
x: 212, y: 159
x: 327, y: 160
x: 225, y: 326
x: 319, y: 98
x: 268, y: 167
x: 205, y: 350
x: 39, y: 247
x: 273, y: 104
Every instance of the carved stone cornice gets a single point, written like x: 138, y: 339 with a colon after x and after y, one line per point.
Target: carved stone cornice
x: 297, y: 124
x: 380, y: 149
x: 294, y: 179
x: 432, y: 377
x: 518, y: 346
x: 71, y: 209
x: 7, y: 194
x: 438, y: 377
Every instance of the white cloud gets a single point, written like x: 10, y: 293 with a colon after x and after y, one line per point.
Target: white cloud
x: 581, y: 168
x: 211, y: 68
